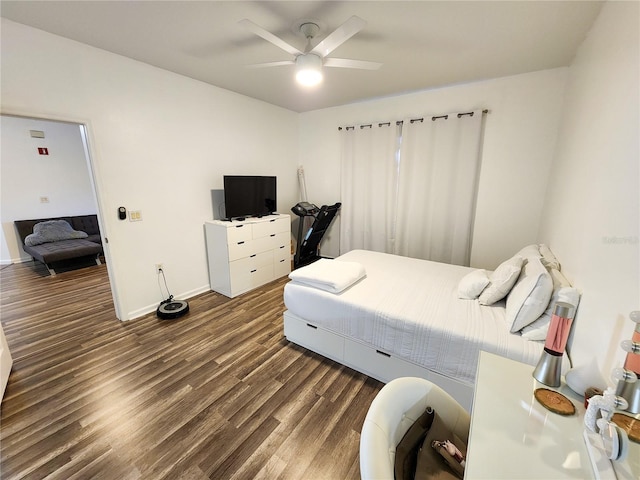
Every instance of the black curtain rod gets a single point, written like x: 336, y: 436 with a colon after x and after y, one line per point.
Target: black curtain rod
x: 413, y: 120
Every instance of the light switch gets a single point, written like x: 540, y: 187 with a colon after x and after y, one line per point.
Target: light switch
x: 135, y: 216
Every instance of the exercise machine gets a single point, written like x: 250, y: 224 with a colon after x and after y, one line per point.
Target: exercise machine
x: 308, y: 245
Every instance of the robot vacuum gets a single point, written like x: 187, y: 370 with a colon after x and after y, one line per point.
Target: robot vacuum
x: 170, y: 309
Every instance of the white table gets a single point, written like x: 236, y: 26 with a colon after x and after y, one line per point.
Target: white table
x: 513, y: 436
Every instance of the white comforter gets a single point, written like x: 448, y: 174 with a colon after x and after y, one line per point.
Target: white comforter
x: 410, y: 308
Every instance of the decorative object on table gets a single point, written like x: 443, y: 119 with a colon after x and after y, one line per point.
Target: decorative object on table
x: 598, y: 419
x: 629, y: 424
x: 554, y: 401
x: 549, y: 368
x: 591, y: 392
x: 627, y: 385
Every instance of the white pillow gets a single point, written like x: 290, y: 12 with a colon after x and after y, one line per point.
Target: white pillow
x: 549, y: 260
x: 530, y: 251
x: 530, y: 295
x: 538, y: 329
x: 472, y: 284
x: 501, y: 280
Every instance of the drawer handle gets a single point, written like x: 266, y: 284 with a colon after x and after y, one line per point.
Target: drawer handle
x: 312, y: 326
x: 282, y: 246
x: 240, y: 243
x: 272, y: 235
x: 251, y: 256
x: 383, y: 353
x: 254, y: 271
x: 272, y: 220
x: 281, y: 261
x: 239, y: 226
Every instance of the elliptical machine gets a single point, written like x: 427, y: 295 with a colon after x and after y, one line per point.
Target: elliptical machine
x: 308, y: 246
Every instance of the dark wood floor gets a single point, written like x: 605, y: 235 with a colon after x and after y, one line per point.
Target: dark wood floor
x: 218, y: 393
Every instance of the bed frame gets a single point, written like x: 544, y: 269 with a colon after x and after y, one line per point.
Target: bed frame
x: 366, y: 358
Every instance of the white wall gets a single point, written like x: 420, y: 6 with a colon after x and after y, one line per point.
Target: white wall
x: 519, y: 141
x: 26, y: 176
x: 159, y: 143
x: 592, y: 213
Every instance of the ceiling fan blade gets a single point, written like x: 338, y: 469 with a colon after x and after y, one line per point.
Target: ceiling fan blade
x: 340, y: 35
x: 269, y: 37
x: 346, y: 63
x: 271, y: 64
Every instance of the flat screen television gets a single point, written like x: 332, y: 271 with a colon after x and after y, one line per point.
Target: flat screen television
x: 249, y: 196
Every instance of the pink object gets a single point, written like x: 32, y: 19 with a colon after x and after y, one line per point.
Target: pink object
x: 632, y: 361
x: 559, y: 328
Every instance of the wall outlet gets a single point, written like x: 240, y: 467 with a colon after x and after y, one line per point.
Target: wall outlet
x: 159, y: 268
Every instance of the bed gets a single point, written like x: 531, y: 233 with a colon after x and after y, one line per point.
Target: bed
x: 396, y: 316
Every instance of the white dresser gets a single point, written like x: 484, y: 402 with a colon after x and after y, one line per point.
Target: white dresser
x: 245, y: 254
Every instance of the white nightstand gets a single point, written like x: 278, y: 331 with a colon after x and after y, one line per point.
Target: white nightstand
x: 513, y: 436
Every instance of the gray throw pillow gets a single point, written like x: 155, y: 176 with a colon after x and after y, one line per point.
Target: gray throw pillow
x: 52, y: 231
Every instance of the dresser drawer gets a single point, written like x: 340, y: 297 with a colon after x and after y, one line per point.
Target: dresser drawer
x: 252, y: 271
x: 266, y: 229
x: 260, y: 259
x: 239, y: 233
x: 282, y: 266
x: 281, y: 240
x: 261, y: 275
x: 283, y: 251
x: 241, y: 249
x: 262, y: 244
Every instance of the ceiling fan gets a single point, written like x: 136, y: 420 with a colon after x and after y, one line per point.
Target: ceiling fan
x: 309, y: 62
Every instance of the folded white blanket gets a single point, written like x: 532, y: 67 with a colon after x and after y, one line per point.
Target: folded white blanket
x: 331, y: 275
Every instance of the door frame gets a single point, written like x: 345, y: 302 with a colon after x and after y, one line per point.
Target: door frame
x: 95, y: 179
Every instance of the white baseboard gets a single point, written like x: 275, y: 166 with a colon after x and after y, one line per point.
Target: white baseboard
x: 141, y: 312
x: 15, y: 260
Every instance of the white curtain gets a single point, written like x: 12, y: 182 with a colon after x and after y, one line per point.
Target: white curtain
x: 439, y: 170
x: 368, y: 187
x: 410, y: 189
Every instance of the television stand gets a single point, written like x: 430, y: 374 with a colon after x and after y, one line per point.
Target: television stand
x: 245, y: 255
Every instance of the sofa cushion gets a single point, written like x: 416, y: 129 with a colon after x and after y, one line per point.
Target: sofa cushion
x: 63, y: 250
x: 84, y: 223
x: 87, y: 224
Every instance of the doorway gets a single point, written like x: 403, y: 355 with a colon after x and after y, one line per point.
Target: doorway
x: 47, y: 172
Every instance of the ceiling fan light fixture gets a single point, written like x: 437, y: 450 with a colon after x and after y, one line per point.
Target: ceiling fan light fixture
x: 308, y: 69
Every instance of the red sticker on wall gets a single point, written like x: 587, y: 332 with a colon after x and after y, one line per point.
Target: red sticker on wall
x: 43, y: 151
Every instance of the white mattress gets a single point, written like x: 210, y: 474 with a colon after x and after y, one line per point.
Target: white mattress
x: 410, y: 308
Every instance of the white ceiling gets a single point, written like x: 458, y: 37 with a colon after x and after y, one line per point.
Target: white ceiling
x: 422, y: 44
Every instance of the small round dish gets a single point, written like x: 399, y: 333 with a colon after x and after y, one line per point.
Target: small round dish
x: 554, y: 401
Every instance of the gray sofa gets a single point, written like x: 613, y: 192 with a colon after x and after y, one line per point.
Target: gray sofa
x: 59, y: 250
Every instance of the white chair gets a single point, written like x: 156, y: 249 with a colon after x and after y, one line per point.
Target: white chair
x: 396, y: 407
